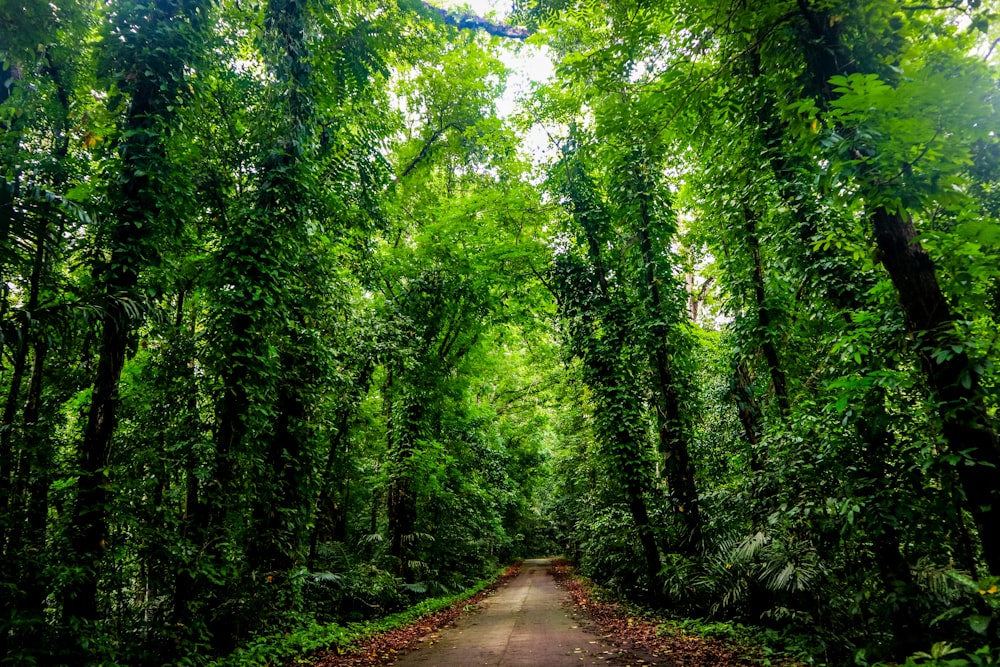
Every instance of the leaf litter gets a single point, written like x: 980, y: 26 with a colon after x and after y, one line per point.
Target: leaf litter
x: 385, y: 648
x: 644, y: 641
x: 636, y: 641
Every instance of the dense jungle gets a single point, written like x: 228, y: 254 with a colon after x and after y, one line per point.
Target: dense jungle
x: 314, y: 310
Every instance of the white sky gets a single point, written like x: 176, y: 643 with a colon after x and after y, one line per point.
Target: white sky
x: 528, y: 63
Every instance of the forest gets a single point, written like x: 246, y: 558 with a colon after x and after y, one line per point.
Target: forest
x: 310, y: 313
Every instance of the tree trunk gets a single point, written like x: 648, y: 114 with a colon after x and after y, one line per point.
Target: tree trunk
x: 279, y: 520
x: 89, y: 530
x: 902, y: 592
x: 402, y: 510
x: 328, y: 511
x: 7, y: 479
x: 965, y: 424
x: 623, y: 436
x: 616, y: 391
x: 764, y: 321
x: 29, y: 493
x: 672, y: 430
x: 153, y: 92
x: 750, y: 415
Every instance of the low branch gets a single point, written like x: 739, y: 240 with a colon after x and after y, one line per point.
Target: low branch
x: 466, y: 21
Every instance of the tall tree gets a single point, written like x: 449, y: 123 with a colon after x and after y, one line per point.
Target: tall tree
x: 152, y: 50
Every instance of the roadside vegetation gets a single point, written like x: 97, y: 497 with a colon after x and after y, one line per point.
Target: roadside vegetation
x: 303, y: 322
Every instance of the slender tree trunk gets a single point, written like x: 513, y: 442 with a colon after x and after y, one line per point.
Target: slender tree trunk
x: 38, y: 476
x: 750, y: 414
x: 7, y: 428
x: 672, y: 430
x: 89, y: 520
x: 764, y: 320
x: 886, y: 541
x: 325, y: 510
x: 375, y: 503
x: 14, y: 464
x: 402, y: 510
x: 6, y: 74
x: 328, y: 510
x: 32, y: 456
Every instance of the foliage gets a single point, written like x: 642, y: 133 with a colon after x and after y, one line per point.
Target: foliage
x: 269, y: 649
x: 293, y: 331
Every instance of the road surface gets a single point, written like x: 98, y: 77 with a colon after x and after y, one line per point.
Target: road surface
x: 525, y: 623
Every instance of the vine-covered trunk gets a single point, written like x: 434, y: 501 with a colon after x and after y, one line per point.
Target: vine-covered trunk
x: 89, y: 519
x: 153, y: 95
x: 9, y: 477
x: 617, y: 397
x: 749, y: 412
x: 8, y: 480
x: 902, y: 594
x: 402, y: 507
x: 672, y: 432
x: 129, y: 243
x: 29, y: 490
x: 965, y: 424
x: 765, y: 324
x: 279, y: 524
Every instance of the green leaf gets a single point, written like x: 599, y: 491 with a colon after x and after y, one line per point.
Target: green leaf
x: 979, y: 624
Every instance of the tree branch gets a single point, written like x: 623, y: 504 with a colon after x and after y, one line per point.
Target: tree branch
x: 426, y: 148
x: 989, y: 53
x: 466, y: 21
x: 933, y: 8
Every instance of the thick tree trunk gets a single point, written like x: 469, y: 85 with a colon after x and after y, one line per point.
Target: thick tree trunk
x: 964, y: 422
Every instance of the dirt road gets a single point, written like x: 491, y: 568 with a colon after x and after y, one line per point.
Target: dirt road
x: 524, y: 623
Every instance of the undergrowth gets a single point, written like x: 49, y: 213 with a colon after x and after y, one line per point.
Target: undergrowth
x: 282, y: 648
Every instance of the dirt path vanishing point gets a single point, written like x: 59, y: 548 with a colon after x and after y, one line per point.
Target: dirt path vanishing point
x: 525, y: 623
